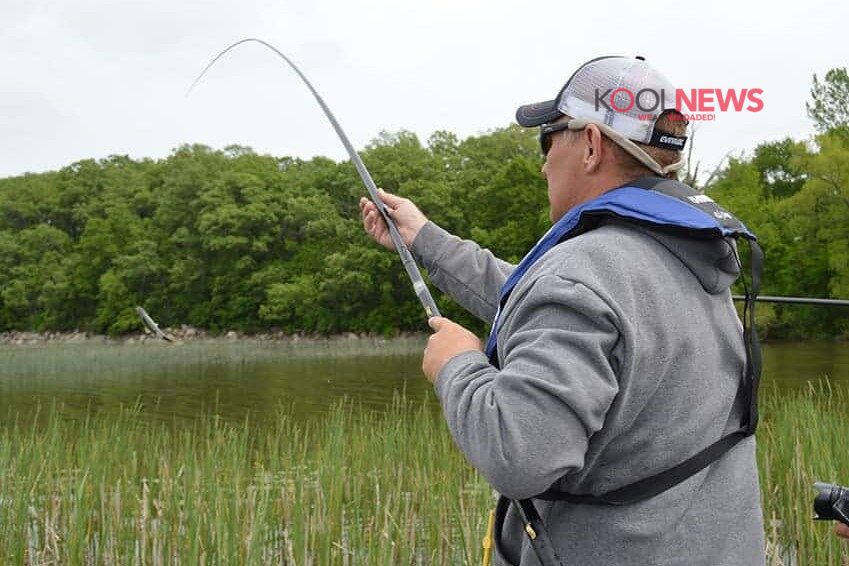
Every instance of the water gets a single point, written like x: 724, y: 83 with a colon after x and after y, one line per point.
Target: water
x: 795, y: 364
x: 233, y: 379
x: 237, y: 379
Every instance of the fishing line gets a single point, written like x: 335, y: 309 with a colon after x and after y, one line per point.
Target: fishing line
x: 419, y: 286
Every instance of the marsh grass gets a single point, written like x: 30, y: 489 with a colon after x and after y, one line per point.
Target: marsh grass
x: 353, y: 487
x: 356, y: 487
x: 803, y: 438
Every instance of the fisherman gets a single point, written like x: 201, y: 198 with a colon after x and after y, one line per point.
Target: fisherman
x: 616, y: 352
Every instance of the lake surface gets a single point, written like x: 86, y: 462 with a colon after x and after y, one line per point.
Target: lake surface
x: 235, y: 379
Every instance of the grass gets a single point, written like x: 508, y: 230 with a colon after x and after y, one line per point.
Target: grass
x: 802, y: 439
x: 355, y: 487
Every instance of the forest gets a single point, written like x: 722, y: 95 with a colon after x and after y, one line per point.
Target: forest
x: 232, y: 240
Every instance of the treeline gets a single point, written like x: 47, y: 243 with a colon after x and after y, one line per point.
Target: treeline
x: 235, y: 240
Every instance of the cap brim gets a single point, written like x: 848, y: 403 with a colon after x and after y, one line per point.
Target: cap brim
x: 538, y: 113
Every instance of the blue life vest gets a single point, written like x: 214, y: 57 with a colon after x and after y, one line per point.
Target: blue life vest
x: 667, y: 206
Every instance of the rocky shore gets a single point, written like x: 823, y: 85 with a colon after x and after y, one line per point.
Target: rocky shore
x: 183, y: 334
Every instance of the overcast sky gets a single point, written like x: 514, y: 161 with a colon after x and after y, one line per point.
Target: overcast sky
x: 90, y: 78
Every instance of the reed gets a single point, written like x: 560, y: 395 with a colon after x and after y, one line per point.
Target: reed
x: 356, y: 487
x: 802, y: 439
x: 353, y: 487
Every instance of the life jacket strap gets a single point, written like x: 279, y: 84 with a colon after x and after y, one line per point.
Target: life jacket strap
x: 654, y: 485
x: 533, y: 527
x: 647, y: 488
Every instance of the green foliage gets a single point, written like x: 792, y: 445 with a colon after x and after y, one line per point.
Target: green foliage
x: 797, y: 201
x: 779, y: 165
x: 29, y: 258
x: 234, y: 240
x: 829, y: 107
x: 231, y: 239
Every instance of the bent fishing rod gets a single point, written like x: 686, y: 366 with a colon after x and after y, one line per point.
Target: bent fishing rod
x: 797, y: 300
x: 419, y: 286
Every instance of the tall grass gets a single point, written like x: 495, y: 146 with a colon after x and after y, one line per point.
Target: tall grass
x: 803, y: 438
x: 356, y: 487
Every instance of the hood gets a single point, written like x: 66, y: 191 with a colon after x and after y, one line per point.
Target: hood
x: 711, y: 261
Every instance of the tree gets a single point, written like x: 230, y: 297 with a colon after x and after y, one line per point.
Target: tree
x: 780, y: 166
x: 30, y: 260
x: 829, y: 107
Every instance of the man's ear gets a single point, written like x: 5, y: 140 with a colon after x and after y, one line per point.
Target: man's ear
x: 594, y: 148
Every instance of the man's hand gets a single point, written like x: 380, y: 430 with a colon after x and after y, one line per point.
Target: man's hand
x: 841, y: 530
x: 448, y: 340
x: 408, y: 218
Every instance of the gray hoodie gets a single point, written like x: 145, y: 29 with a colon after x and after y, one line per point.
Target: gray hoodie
x: 621, y: 354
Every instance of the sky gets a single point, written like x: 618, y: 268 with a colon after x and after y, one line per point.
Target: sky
x: 91, y: 78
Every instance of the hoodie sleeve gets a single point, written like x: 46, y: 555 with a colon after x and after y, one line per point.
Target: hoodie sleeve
x: 469, y: 274
x: 528, y: 424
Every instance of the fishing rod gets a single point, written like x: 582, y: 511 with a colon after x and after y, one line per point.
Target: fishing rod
x: 407, y: 260
x: 797, y: 300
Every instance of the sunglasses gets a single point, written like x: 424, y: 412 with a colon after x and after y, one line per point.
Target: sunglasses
x: 546, y: 131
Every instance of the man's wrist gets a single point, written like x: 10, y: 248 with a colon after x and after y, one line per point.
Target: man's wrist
x: 411, y: 233
x: 455, y: 366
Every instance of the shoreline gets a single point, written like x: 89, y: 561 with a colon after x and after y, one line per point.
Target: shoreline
x: 191, y: 334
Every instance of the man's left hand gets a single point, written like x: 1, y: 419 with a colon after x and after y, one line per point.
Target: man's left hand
x: 448, y: 340
x: 841, y: 530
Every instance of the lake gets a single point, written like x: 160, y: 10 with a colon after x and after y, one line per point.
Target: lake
x: 235, y: 379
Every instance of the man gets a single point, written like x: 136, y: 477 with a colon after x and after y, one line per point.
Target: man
x: 616, y: 352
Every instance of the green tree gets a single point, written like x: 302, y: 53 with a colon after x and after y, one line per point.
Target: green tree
x: 829, y: 105
x: 780, y: 166
x: 31, y: 261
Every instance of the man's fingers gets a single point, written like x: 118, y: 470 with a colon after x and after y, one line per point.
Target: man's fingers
x: 389, y: 198
x: 436, y: 322
x: 371, y: 214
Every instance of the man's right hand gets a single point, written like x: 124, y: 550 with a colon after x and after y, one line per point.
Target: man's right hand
x: 408, y: 218
x: 841, y: 530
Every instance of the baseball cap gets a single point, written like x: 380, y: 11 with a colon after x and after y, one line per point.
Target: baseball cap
x: 624, y: 97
